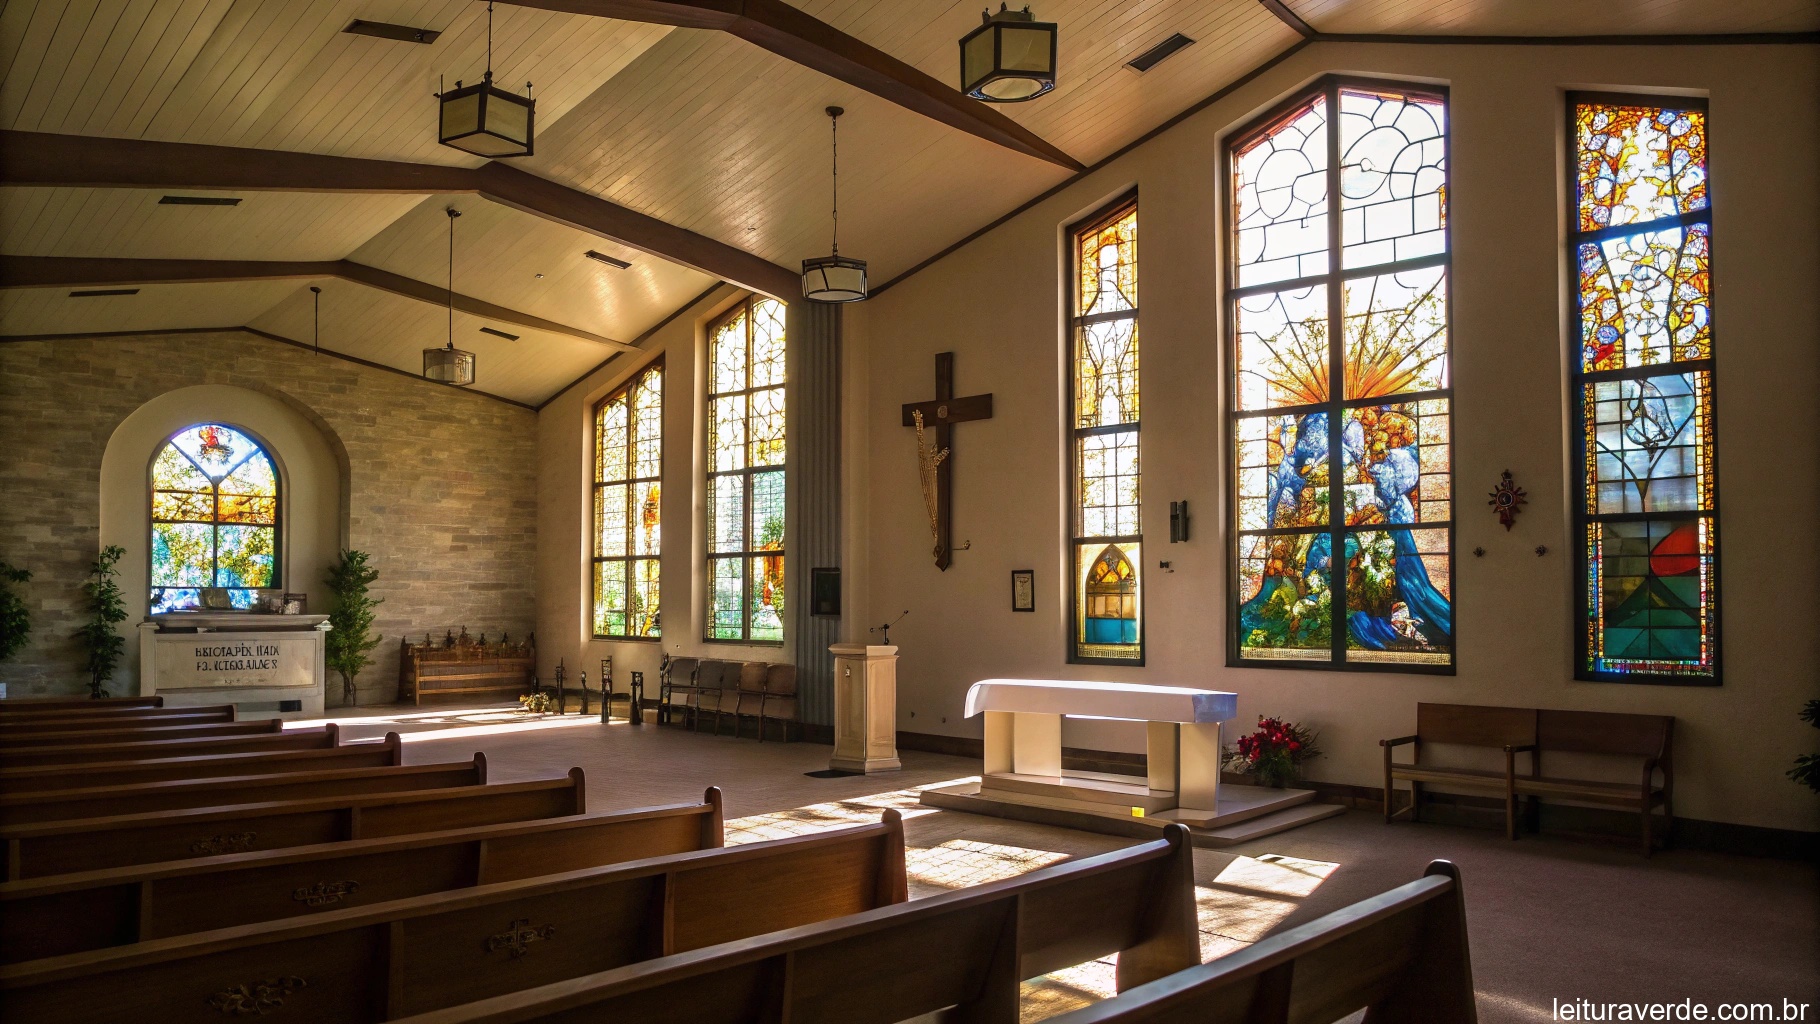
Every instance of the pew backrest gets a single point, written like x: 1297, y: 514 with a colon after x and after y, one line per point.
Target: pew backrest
x: 968, y: 949
x: 117, y: 906
x: 135, y: 732
x: 50, y: 777
x: 77, y: 703
x: 1400, y: 956
x: 88, y: 844
x: 141, y: 750
x: 114, y: 719
x: 414, y: 955
x: 106, y: 801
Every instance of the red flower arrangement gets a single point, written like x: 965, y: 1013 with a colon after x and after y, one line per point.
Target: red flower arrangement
x: 1274, y: 754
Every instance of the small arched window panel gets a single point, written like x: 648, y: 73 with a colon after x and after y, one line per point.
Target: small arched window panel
x: 215, y: 515
x: 1111, y: 599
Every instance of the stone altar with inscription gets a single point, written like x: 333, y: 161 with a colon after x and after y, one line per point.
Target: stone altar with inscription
x: 266, y: 664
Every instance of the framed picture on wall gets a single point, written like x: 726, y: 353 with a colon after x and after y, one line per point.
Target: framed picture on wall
x: 824, y: 591
x: 1023, y: 590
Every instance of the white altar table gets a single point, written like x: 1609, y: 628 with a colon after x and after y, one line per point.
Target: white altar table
x: 1024, y: 741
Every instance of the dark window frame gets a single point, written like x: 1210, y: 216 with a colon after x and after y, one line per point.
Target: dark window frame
x: 747, y: 553
x: 624, y: 391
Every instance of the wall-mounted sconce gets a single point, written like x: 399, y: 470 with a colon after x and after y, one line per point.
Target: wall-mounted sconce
x: 1178, y: 522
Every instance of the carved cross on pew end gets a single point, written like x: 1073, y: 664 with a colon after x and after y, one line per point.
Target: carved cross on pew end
x: 942, y: 414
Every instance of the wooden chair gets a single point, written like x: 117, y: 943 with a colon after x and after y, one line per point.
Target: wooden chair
x: 119, y: 906
x: 780, y: 701
x: 968, y: 949
x: 132, y: 732
x: 1647, y: 740
x: 709, y: 678
x: 88, y: 844
x: 676, y: 683
x: 415, y: 955
x: 141, y: 750
x: 124, y: 717
x: 1401, y: 957
x: 750, y: 697
x: 389, y: 751
x: 1512, y: 730
x: 103, y: 801
x: 13, y: 704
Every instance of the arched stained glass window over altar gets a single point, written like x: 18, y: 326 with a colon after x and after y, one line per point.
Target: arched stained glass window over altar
x: 215, y: 515
x: 1341, y: 399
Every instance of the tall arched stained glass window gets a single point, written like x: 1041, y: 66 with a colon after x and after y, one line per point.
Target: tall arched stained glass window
x: 628, y: 507
x: 746, y: 474
x: 214, y: 518
x: 1647, y: 505
x: 1341, y: 398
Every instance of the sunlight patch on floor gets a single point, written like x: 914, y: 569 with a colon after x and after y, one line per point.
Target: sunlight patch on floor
x: 512, y: 724
x: 958, y: 863
x: 859, y: 810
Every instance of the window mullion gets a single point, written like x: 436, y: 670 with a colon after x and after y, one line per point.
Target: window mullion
x: 1336, y: 384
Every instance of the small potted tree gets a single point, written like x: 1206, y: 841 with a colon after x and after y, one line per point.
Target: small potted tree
x: 351, y: 620
x: 100, y: 636
x: 15, y: 614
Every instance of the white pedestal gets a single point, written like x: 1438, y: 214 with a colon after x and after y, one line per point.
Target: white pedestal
x: 865, y: 708
x: 248, y: 659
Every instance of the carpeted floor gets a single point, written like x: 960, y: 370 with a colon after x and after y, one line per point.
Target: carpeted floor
x: 1549, y: 918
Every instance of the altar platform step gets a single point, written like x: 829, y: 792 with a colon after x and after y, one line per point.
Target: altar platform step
x: 1245, y: 812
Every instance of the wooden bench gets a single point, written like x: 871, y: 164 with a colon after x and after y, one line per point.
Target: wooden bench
x: 1400, y: 956
x: 134, y: 732
x: 1649, y: 739
x: 115, y: 719
x: 12, y: 704
x: 413, y: 955
x: 102, y: 801
x: 87, y: 844
x: 141, y: 750
x: 968, y: 949
x: 389, y: 751
x: 118, y: 906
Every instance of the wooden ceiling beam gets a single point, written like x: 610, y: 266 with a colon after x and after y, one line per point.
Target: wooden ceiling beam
x: 35, y: 158
x: 797, y: 37
x: 85, y: 272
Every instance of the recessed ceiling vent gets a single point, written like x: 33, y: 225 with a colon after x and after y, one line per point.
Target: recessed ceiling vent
x: 401, y: 33
x: 608, y: 260
x: 1159, y: 53
x: 95, y: 293
x: 199, y: 201
x: 499, y: 334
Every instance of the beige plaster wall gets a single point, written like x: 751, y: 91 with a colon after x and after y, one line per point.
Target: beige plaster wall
x: 996, y: 303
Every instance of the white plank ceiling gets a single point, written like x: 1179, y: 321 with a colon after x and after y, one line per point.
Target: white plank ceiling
x: 695, y: 128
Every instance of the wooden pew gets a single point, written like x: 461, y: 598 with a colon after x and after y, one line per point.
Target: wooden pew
x: 105, y: 801
x: 51, y: 777
x: 87, y: 844
x: 136, y: 732
x: 1400, y: 956
x: 97, y: 909
x: 141, y: 750
x: 409, y: 956
x: 65, y: 719
x: 77, y: 703
x: 968, y: 949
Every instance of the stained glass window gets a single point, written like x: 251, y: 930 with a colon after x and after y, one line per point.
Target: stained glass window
x: 746, y: 474
x: 214, y: 518
x: 1647, y: 506
x: 628, y: 507
x: 1342, y: 398
x: 1107, y: 541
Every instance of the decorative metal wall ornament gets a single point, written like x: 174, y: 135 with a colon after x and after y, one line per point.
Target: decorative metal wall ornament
x: 257, y: 998
x: 1507, y: 499
x: 450, y: 365
x: 834, y: 278
x: 1010, y: 58
x: 516, y: 939
x: 323, y: 894
x: 485, y: 120
x: 232, y: 842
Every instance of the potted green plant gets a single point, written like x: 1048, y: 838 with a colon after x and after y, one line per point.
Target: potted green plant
x: 1807, y: 766
x: 15, y: 614
x: 534, y: 703
x: 350, y: 639
x: 1274, y: 754
x: 107, y: 609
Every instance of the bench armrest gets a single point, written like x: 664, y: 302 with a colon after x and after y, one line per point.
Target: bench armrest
x: 1399, y: 741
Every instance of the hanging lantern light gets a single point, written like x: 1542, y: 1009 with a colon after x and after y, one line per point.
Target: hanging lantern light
x: 834, y: 278
x: 450, y: 365
x: 485, y: 120
x: 1009, y: 58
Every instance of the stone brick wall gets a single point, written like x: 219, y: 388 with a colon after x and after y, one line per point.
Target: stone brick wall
x: 441, y: 484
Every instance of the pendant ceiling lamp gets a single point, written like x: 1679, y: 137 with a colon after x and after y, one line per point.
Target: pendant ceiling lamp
x: 1009, y: 58
x: 485, y: 120
x: 834, y: 278
x: 450, y: 365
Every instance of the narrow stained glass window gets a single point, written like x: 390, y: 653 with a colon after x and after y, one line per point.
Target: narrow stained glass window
x: 746, y: 474
x: 1107, y: 535
x: 1342, y: 393
x: 214, y: 518
x: 628, y: 507
x: 1647, y: 509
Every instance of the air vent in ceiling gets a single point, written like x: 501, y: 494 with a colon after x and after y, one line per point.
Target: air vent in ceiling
x: 95, y: 293
x: 1159, y: 53
x: 199, y: 201
x: 608, y: 260
x: 401, y: 33
x: 499, y: 334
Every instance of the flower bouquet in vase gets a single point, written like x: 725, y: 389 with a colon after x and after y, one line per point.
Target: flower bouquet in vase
x: 1274, y: 754
x: 536, y: 703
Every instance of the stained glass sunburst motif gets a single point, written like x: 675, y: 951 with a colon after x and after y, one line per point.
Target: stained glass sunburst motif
x: 628, y: 508
x: 214, y: 518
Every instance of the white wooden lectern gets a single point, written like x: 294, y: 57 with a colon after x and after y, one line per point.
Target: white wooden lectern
x: 865, y: 708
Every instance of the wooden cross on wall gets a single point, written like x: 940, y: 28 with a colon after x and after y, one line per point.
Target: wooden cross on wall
x: 942, y: 414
